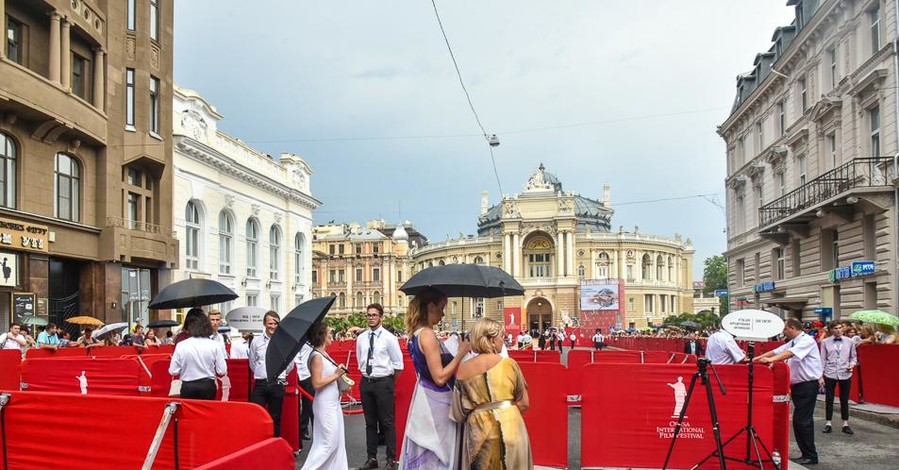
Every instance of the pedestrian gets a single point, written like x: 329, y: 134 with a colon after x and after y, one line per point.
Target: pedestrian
x: 150, y: 339
x: 489, y: 397
x: 560, y: 339
x: 215, y: 317
x: 839, y: 357
x: 802, y: 354
x: 86, y: 339
x: 693, y: 346
x: 380, y: 361
x: 197, y: 359
x: 520, y: 339
x: 266, y: 393
x: 598, y: 340
x: 304, y: 379
x: 722, y: 349
x: 432, y: 438
x: 241, y: 349
x: 572, y: 339
x: 13, y: 339
x: 328, y: 451
x: 169, y: 338
x: 48, y: 339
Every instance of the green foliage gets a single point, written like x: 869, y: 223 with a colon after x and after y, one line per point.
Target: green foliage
x: 715, y: 274
x: 357, y: 320
x: 704, y: 319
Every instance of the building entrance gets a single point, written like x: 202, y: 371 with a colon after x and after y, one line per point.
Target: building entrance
x: 540, y: 314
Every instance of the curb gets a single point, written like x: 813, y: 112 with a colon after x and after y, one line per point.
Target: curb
x: 886, y: 419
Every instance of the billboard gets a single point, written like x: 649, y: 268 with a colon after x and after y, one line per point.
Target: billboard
x: 603, y: 295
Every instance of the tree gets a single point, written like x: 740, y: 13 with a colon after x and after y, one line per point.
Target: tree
x: 715, y: 277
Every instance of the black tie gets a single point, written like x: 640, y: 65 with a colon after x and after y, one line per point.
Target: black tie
x: 371, y: 352
x: 838, y: 339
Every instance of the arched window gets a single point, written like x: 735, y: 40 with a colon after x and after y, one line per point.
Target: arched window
x: 7, y: 172
x: 299, y: 258
x: 274, y: 253
x: 430, y: 264
x: 441, y: 263
x: 341, y: 300
x: 478, y: 260
x: 671, y: 274
x: 192, y: 226
x: 226, y: 241
x: 359, y: 300
x: 68, y: 187
x: 581, y: 272
x: 252, y: 246
x: 659, y: 266
x: 647, y: 266
x: 376, y: 297
x: 603, y: 266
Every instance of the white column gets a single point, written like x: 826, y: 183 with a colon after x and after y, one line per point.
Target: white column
x: 99, y: 78
x: 560, y: 256
x: 507, y: 254
x: 622, y: 263
x: 54, y: 46
x: 516, y: 256
x: 569, y: 245
x: 66, y: 54
x: 351, y: 278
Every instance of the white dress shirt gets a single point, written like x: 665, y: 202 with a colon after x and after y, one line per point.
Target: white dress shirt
x: 240, y: 350
x: 258, y: 349
x: 837, y: 357
x: 198, y: 358
x: 7, y: 341
x: 387, y: 357
x: 805, y: 365
x: 302, y: 362
x: 722, y: 349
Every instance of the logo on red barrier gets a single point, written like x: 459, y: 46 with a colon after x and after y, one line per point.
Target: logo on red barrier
x: 82, y: 381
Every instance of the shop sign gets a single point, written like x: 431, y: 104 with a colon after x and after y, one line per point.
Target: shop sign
x: 763, y: 287
x: 20, y: 235
x: 9, y: 269
x: 856, y: 269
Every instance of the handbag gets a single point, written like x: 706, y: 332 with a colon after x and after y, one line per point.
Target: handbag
x: 344, y: 383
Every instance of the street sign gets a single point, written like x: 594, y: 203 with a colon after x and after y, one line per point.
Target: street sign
x: 824, y: 310
x: 720, y: 292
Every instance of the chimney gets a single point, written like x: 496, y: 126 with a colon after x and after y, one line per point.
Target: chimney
x: 606, y: 195
x: 485, y: 203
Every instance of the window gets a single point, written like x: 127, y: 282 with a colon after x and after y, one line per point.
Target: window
x: 539, y: 265
x: 869, y: 234
x: 832, y: 149
x: 874, y: 15
x: 332, y: 276
x: 358, y: 248
x: 332, y: 249
x: 832, y: 61
x: 478, y: 260
x: 7, y: 172
x: 671, y: 272
x: 131, y: 18
x: 376, y: 297
x: 314, y: 276
x: 358, y: 276
x: 341, y: 300
x: 739, y: 271
x: 15, y: 50
x: 299, y: 258
x: 376, y: 275
x: 630, y: 304
x: 68, y: 187
x: 133, y: 210
x: 252, y: 300
x: 275, y: 302
x: 375, y: 248
x: 399, y: 276
x: 781, y: 183
x: 252, y: 232
x: 803, y: 168
x: 760, y: 135
x: 226, y: 241
x: 795, y: 246
x: 581, y: 272
x: 674, y: 304
x: 137, y: 197
x: 835, y: 247
x: 154, y: 105
x: 874, y: 122
x: 660, y: 266
x: 80, y: 68
x: 341, y: 276
x: 647, y: 303
x: 647, y: 264
x: 478, y: 308
x: 154, y: 20
x: 359, y: 301
x: 192, y: 226
x: 759, y: 199
x: 630, y: 272
x: 602, y: 266
x: 129, y: 98
x: 779, y: 263
x: 740, y: 204
x: 340, y: 249
x: 274, y: 253
x: 830, y: 253
x: 803, y: 95
x: 781, y: 118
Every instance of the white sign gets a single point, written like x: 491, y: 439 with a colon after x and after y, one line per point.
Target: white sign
x: 752, y: 324
x: 246, y: 318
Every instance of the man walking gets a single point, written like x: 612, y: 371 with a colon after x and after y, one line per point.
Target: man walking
x: 722, y: 349
x: 839, y: 357
x: 267, y: 394
x: 380, y: 361
x: 802, y: 355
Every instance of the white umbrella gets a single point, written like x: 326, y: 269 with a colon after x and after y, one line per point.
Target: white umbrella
x: 110, y: 329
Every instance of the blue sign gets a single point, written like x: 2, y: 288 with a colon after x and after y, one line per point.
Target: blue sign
x: 764, y: 286
x: 824, y: 310
x: 862, y: 268
x: 720, y: 292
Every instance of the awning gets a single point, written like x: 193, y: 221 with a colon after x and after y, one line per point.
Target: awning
x: 787, y: 302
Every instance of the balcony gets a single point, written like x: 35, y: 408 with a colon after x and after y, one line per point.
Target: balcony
x: 127, y: 240
x: 837, y: 192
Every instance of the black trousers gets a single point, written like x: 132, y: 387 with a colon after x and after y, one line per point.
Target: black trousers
x: 804, y: 395
x: 377, y: 405
x: 830, y: 386
x: 200, y: 389
x: 306, y: 413
x: 269, y: 395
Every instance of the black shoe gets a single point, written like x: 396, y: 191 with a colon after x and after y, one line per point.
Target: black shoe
x: 806, y: 461
x: 390, y: 465
x: 370, y: 464
x: 848, y: 430
x: 306, y: 436
x: 827, y: 429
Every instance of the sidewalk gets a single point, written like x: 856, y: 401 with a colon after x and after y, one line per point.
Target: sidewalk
x: 880, y: 414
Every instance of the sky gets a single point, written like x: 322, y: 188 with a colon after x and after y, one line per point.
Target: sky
x: 620, y: 92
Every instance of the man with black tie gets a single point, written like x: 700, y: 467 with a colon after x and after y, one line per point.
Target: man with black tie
x: 380, y: 361
x: 693, y: 346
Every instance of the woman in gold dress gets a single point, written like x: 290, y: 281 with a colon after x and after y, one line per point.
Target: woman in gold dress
x: 489, y: 396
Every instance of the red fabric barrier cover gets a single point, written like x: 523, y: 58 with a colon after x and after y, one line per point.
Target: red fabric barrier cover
x: 238, y: 373
x: 880, y: 380
x: 577, y: 359
x: 10, y: 369
x: 272, y: 453
x: 405, y: 386
x: 781, y: 415
x: 103, y: 376
x: 629, y: 408
x: 536, y: 356
x: 36, y: 353
x: 290, y: 414
x: 241, y: 379
x: 161, y: 382
x: 547, y: 417
x: 113, y: 351
x: 121, y: 429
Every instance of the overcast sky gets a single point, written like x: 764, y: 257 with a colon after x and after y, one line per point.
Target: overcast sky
x: 623, y: 92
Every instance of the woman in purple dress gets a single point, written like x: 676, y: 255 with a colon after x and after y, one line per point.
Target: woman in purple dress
x: 432, y: 439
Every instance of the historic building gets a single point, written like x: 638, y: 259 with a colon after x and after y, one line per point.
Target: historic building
x: 85, y: 157
x: 575, y: 270
x: 811, y: 169
x: 244, y: 218
x: 361, y: 266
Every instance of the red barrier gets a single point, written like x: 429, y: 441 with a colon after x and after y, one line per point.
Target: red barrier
x: 10, y: 369
x: 781, y: 415
x: 881, y: 383
x: 405, y: 386
x: 113, y: 351
x: 37, y: 353
x: 121, y: 429
x: 290, y: 414
x: 536, y: 356
x: 270, y: 453
x: 547, y: 417
x: 636, y: 428
x: 82, y: 376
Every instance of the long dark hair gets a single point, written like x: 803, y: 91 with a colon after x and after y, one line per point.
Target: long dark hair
x: 198, y: 324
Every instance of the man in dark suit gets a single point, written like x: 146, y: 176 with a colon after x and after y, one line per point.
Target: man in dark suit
x: 693, y: 346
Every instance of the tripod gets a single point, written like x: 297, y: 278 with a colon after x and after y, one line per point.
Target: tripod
x: 753, y: 440
x: 702, y: 373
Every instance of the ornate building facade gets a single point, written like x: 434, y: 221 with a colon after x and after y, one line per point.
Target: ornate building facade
x: 811, y: 169
x: 575, y: 271
x: 244, y: 218
x: 85, y: 158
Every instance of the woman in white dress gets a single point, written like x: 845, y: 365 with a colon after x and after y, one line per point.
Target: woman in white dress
x: 328, y: 451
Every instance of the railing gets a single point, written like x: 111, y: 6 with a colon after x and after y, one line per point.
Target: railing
x: 859, y: 173
x: 139, y: 226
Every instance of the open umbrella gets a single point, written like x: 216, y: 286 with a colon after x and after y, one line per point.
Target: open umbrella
x: 690, y: 324
x: 85, y: 320
x: 32, y: 320
x: 291, y: 334
x: 108, y: 330
x: 192, y: 293
x: 162, y: 324
x: 875, y: 316
x: 464, y: 280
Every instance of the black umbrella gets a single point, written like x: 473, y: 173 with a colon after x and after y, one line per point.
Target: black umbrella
x: 464, y: 280
x: 690, y: 324
x: 291, y: 334
x: 162, y: 324
x: 192, y: 293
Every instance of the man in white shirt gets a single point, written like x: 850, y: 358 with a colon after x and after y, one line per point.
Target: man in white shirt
x: 722, y: 349
x: 380, y: 361
x: 304, y: 378
x: 215, y: 317
x: 13, y: 339
x: 598, y: 340
x: 806, y: 376
x: 241, y: 349
x: 839, y: 357
x: 267, y: 394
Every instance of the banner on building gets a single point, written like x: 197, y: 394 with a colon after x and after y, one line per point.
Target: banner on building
x: 600, y: 295
x: 513, y: 320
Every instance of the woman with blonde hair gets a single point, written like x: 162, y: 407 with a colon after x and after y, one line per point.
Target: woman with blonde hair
x: 489, y: 397
x: 431, y: 439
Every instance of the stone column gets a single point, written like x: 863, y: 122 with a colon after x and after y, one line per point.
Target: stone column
x: 516, y: 256
x: 560, y: 256
x: 54, y: 46
x: 3, y: 36
x: 507, y: 253
x: 622, y: 263
x: 351, y: 278
x: 99, y: 77
x: 569, y: 246
x: 66, y: 54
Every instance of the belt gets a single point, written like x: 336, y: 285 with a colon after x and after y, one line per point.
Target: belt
x: 197, y: 380
x: 281, y: 382
x: 494, y: 405
x: 377, y: 379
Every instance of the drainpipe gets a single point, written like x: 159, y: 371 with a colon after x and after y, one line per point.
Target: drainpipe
x: 895, y: 208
